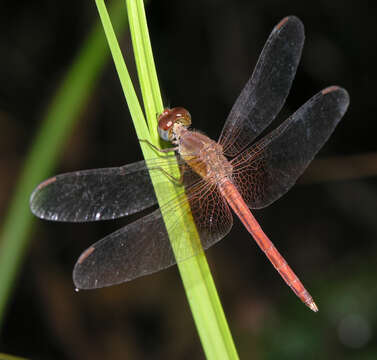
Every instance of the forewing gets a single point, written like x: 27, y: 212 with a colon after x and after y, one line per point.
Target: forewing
x: 268, y: 169
x: 264, y: 94
x: 100, y: 194
x: 143, y: 247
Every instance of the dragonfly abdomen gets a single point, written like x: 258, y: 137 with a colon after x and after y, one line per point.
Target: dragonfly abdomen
x: 236, y: 202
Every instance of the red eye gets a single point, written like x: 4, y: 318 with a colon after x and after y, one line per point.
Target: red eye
x: 168, y: 118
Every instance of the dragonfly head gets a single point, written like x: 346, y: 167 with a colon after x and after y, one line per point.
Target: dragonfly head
x: 168, y: 118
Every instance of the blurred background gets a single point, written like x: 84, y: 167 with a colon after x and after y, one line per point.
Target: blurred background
x: 326, y: 226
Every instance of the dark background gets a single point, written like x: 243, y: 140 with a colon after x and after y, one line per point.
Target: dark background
x: 204, y: 52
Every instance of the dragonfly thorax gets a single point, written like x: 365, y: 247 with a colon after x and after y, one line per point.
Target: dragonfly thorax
x: 203, y: 155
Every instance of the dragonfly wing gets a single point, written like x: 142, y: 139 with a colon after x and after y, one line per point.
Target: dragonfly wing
x: 143, y: 247
x: 264, y: 94
x: 137, y: 249
x: 268, y: 169
x: 99, y: 194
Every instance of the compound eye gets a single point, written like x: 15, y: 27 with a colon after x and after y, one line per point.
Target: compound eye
x: 168, y: 118
x: 182, y: 116
x: 165, y: 125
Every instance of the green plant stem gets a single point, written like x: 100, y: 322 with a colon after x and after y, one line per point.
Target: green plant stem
x: 10, y: 357
x: 199, y: 286
x: 57, y: 124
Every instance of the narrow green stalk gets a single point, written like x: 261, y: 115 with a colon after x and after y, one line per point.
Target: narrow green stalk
x: 124, y: 77
x: 56, y: 126
x: 200, y: 288
x: 145, y: 64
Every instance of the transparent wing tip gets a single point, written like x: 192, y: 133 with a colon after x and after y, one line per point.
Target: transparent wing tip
x: 335, y: 89
x: 37, y: 200
x: 341, y: 95
x: 80, y: 277
x: 33, y: 203
x: 290, y: 21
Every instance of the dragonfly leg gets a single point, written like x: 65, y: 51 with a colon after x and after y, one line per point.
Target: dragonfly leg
x: 169, y: 176
x: 154, y: 147
x: 176, y: 180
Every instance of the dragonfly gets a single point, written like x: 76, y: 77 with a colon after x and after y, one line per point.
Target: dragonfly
x: 239, y: 172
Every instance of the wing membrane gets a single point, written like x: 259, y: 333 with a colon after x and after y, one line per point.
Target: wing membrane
x: 101, y: 194
x: 143, y: 247
x: 264, y: 94
x: 274, y: 163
